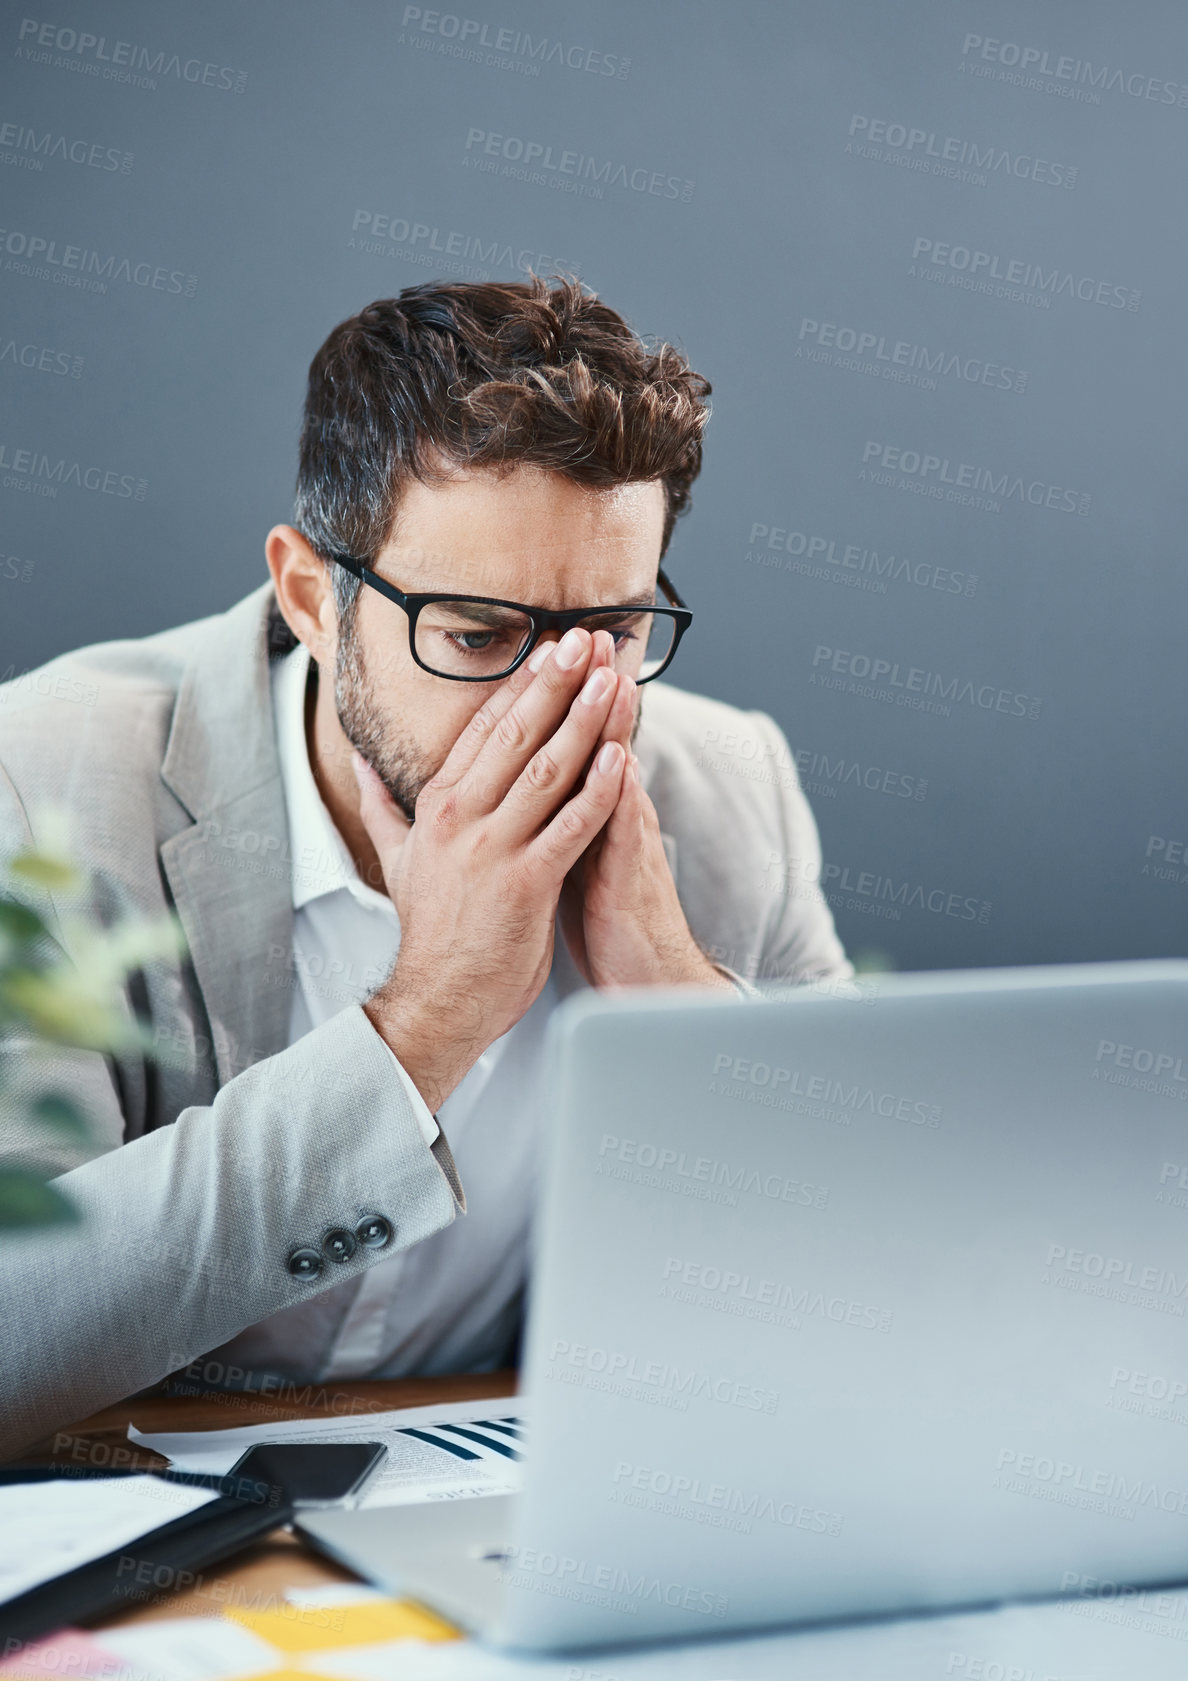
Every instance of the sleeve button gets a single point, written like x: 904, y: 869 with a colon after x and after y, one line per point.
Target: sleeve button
x: 374, y: 1232
x: 305, y: 1263
x: 339, y: 1244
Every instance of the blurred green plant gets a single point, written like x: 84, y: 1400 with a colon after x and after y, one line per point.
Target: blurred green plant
x: 872, y: 960
x: 49, y: 999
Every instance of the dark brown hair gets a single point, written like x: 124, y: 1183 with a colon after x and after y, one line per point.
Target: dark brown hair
x: 487, y: 375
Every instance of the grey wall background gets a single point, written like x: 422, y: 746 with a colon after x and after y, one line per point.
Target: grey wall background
x: 931, y: 255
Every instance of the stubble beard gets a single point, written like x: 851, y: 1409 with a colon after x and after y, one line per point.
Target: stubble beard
x: 369, y: 730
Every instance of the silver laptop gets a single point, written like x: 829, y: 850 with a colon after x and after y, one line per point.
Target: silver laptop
x: 846, y: 1301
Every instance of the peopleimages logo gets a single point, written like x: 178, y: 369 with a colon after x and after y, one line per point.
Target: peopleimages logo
x: 1165, y: 1065
x: 372, y: 230
x: 863, y: 889
x: 42, y: 358
x: 1080, y: 72
x: 917, y: 685
x: 14, y: 684
x: 1141, y: 1068
x: 703, y: 1172
x: 1064, y: 1478
x: 1116, y: 1278
x: 121, y: 61
x: 1145, y: 1386
x: 677, y: 1494
x: 15, y: 570
x: 678, y: 1384
x: 604, y: 1584
x: 30, y: 147
x: 964, y: 481
x: 901, y: 360
x: 695, y: 1284
x: 566, y: 169
x: 823, y: 1088
x: 77, y: 265
x: 33, y: 470
x: 968, y: 267
x: 813, y: 555
x: 1166, y: 859
x: 969, y: 161
x: 817, y: 773
x: 461, y: 37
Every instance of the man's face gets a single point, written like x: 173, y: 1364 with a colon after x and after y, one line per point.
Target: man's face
x: 533, y: 537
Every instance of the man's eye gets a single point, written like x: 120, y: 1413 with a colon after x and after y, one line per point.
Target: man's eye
x: 623, y: 630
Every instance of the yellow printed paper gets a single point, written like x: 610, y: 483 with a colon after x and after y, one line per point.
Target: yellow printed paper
x: 292, y: 1675
x: 323, y: 1628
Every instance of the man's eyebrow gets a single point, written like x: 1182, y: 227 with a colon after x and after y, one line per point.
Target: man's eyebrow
x: 482, y: 612
x: 646, y: 600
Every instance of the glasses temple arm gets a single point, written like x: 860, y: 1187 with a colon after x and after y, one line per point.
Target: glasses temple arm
x: 666, y: 585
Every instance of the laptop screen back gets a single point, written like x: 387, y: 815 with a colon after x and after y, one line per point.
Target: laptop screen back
x: 857, y: 1304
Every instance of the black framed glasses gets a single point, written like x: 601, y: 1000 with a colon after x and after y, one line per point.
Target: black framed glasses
x: 479, y: 638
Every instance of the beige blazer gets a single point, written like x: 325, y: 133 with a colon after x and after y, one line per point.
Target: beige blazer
x: 209, y: 1168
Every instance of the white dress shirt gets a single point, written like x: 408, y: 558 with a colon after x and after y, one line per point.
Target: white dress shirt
x: 450, y: 1303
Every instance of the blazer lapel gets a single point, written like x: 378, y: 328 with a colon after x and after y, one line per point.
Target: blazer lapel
x: 230, y: 874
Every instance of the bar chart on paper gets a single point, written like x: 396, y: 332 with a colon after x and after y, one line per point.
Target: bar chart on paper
x: 449, y: 1452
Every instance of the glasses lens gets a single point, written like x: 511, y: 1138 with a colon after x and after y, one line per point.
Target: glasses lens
x: 470, y: 639
x: 661, y: 636
x: 643, y: 640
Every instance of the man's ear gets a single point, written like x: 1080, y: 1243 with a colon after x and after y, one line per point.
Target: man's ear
x: 303, y: 590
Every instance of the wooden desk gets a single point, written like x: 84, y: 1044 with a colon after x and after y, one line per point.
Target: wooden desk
x: 259, y: 1575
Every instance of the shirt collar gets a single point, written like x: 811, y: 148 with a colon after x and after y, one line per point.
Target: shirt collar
x: 322, y: 863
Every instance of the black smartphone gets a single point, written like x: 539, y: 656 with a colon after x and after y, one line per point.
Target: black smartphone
x: 302, y: 1473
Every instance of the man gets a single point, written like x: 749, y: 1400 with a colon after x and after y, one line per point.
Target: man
x: 398, y: 824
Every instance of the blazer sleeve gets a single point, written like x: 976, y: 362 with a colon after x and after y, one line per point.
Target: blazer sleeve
x: 187, y: 1235
x: 800, y: 942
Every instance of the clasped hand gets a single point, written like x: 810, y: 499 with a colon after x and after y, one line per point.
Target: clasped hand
x: 538, y: 807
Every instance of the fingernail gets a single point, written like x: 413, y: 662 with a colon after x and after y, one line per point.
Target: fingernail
x: 608, y: 757
x: 596, y: 685
x: 539, y: 655
x: 569, y: 649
